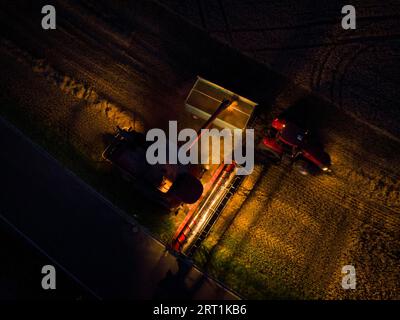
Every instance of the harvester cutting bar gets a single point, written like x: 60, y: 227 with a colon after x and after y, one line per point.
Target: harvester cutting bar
x: 206, y: 213
x: 230, y: 189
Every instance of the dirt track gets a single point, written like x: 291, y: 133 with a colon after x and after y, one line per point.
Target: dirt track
x: 290, y: 235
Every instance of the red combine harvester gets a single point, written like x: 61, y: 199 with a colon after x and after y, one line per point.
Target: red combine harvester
x: 176, y: 186
x: 202, y: 190
x: 286, y: 140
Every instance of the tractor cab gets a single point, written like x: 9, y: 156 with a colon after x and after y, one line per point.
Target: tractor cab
x: 289, y: 133
x: 286, y: 140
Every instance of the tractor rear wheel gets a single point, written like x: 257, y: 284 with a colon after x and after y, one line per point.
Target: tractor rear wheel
x: 302, y: 166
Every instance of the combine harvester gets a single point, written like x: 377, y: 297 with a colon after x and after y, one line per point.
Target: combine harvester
x: 221, y: 108
x: 201, y: 190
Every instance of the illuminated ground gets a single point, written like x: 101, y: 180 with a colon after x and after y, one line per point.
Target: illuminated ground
x: 283, y: 235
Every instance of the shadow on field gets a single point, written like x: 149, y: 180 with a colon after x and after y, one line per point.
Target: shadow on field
x: 174, y: 285
x: 308, y: 114
x: 224, y: 267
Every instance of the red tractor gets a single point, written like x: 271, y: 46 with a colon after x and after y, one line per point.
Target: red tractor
x: 287, y: 140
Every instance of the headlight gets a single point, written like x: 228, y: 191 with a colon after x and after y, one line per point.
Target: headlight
x: 325, y: 168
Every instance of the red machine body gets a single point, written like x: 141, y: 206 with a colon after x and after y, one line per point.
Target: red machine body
x: 285, y: 138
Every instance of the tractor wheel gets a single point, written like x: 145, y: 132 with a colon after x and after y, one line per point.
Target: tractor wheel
x: 302, y: 167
